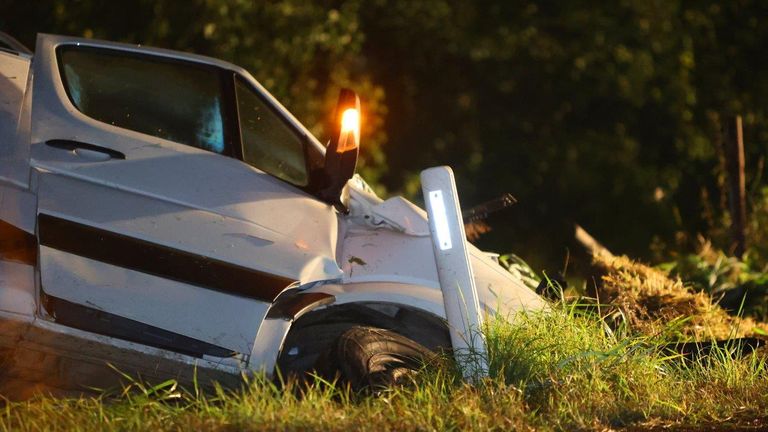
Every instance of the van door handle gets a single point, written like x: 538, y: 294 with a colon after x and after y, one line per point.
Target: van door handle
x: 85, y: 150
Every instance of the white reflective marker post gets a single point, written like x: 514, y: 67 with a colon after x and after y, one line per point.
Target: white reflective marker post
x: 462, y: 308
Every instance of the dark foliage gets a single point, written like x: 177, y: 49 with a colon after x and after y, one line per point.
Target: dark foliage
x: 602, y: 113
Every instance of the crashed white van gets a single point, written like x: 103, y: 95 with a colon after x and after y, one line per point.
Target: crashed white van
x: 162, y: 213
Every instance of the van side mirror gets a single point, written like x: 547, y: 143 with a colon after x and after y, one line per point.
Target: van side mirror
x: 341, y: 154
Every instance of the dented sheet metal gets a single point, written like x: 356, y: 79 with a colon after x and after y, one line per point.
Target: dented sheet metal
x: 396, y: 213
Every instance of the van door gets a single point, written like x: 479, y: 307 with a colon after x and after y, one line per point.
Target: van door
x: 151, y: 226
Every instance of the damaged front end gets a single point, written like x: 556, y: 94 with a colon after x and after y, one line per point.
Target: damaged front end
x: 390, y: 242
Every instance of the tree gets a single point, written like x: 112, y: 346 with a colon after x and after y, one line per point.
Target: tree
x: 601, y: 113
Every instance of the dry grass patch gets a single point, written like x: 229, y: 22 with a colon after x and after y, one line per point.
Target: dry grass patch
x: 648, y: 300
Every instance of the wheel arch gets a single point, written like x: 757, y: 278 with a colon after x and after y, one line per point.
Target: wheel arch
x: 302, y: 324
x: 313, y: 333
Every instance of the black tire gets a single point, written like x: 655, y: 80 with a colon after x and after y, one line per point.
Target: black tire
x: 369, y: 358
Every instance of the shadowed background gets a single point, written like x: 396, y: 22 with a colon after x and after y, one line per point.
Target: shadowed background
x: 605, y: 114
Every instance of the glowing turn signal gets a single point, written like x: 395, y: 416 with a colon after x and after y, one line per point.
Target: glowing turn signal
x: 350, y: 124
x: 350, y: 121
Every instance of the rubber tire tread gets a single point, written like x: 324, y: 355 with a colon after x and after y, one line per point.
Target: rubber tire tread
x: 369, y: 358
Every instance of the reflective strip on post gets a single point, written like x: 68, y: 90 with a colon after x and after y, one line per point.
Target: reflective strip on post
x: 462, y: 308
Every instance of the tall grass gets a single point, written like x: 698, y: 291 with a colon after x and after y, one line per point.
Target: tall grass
x: 561, y: 370
x: 577, y: 366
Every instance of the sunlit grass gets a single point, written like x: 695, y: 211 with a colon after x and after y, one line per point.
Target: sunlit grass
x: 559, y: 370
x: 564, y: 369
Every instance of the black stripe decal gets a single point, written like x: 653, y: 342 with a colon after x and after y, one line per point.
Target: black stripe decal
x: 104, y: 323
x: 17, y: 245
x: 158, y: 260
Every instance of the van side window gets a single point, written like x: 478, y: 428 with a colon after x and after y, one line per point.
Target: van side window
x: 269, y: 143
x: 170, y: 99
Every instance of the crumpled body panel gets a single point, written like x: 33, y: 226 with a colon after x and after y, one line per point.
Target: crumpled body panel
x: 388, y: 242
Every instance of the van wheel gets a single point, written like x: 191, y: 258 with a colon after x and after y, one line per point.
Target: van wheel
x: 369, y: 358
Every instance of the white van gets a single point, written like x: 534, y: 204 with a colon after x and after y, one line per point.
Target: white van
x: 162, y: 213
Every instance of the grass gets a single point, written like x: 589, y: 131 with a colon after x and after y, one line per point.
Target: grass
x: 568, y: 369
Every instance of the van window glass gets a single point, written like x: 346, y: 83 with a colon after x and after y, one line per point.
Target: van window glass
x: 170, y: 99
x: 269, y: 142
